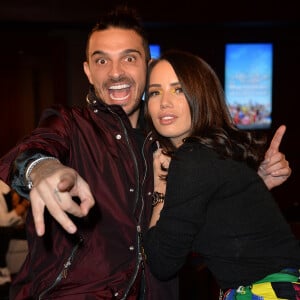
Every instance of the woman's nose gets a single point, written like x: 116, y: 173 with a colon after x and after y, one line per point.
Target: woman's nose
x: 165, y: 100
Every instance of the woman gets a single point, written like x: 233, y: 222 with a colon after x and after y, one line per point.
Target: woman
x: 214, y: 203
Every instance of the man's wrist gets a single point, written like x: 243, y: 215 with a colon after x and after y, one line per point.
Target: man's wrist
x: 32, y: 165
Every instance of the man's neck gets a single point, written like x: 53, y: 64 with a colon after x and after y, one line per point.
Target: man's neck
x: 136, y: 117
x: 133, y: 118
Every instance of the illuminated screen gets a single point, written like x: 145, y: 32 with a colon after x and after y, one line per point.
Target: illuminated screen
x: 154, y: 50
x: 155, y: 53
x: 248, y: 84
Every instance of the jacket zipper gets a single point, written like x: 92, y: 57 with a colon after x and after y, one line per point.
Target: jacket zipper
x: 63, y: 274
x: 140, y: 257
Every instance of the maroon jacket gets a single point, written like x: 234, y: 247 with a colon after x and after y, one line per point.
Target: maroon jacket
x: 103, y: 259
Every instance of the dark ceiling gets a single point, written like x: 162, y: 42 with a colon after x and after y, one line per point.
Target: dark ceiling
x: 152, y: 11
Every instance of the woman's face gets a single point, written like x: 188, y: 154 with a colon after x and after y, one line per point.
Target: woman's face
x: 167, y: 105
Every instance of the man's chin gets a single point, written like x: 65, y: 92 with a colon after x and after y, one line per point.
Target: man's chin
x: 133, y: 110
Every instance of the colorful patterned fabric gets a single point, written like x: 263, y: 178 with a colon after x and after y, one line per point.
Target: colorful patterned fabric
x: 277, y: 286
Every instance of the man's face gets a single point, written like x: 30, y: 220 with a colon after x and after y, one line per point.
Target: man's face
x: 117, y: 68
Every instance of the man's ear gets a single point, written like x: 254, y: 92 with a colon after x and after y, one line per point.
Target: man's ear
x: 87, y: 72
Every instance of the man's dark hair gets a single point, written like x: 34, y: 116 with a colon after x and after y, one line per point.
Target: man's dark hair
x: 124, y: 17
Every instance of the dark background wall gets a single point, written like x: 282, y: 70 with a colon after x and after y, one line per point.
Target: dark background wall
x: 43, y: 44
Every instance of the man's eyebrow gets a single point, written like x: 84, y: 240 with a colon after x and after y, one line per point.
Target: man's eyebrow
x: 132, y: 50
x: 97, y: 52
x: 126, y: 51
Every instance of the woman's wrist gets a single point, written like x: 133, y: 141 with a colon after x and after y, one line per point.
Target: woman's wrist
x: 157, y: 198
x: 156, y: 214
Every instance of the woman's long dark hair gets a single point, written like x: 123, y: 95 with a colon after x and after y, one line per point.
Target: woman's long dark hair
x: 212, y: 124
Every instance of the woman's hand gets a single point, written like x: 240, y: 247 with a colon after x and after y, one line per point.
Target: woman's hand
x: 161, y: 164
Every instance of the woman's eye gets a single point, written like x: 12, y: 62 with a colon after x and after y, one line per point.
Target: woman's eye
x: 178, y: 90
x: 154, y: 93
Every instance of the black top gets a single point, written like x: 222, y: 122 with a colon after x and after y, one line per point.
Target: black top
x: 221, y: 209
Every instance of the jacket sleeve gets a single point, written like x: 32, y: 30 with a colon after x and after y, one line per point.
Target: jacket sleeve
x: 50, y: 138
x: 19, y: 182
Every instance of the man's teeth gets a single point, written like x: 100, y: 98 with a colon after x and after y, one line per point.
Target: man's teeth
x: 119, y: 87
x: 119, y: 92
x: 118, y: 98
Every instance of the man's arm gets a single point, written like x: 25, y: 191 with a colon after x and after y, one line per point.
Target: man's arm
x: 275, y: 170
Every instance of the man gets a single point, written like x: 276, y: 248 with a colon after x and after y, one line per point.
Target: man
x: 90, y: 169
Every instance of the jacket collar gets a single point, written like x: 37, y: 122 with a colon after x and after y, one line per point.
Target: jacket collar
x: 94, y: 102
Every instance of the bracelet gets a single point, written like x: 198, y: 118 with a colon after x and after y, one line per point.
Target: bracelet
x: 32, y: 165
x: 158, y: 198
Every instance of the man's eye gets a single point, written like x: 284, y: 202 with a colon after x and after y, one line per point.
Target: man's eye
x: 101, y: 61
x: 130, y: 59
